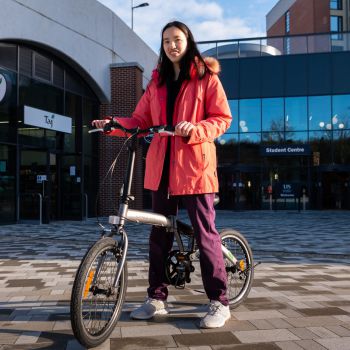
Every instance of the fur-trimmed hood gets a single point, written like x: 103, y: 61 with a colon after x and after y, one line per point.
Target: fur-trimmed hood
x: 212, y: 64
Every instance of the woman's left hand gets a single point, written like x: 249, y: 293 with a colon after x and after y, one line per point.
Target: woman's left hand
x: 184, y: 129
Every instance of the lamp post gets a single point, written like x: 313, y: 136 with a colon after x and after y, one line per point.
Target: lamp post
x: 144, y: 4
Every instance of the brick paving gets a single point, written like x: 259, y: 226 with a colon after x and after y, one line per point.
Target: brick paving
x: 300, y: 297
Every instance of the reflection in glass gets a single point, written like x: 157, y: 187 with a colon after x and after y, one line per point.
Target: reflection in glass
x: 234, y: 111
x: 319, y: 112
x: 299, y: 136
x: 250, y: 137
x: 227, y: 139
x: 296, y: 113
x: 249, y: 115
x: 341, y: 135
x: 272, y: 114
x: 341, y: 112
x: 341, y: 140
x: 271, y: 137
x: 320, y: 135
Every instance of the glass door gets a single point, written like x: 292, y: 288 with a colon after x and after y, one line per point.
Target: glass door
x: 38, y: 185
x: 70, y: 183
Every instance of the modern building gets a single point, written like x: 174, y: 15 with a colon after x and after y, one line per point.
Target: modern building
x: 61, y: 64
x: 291, y: 17
x: 289, y: 143
x: 308, y: 16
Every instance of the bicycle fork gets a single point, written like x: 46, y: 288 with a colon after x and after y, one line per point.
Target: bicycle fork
x: 122, y: 249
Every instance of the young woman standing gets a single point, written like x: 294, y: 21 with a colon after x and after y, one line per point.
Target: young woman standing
x: 185, y: 92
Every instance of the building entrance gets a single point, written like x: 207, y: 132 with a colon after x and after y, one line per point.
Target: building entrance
x: 50, y: 184
x: 239, y: 189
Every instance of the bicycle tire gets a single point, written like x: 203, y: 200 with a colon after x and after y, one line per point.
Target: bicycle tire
x: 94, y: 315
x: 238, y: 283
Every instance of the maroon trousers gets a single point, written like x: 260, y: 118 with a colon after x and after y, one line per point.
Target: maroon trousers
x: 202, y: 215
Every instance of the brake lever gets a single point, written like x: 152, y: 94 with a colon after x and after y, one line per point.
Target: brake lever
x: 95, y: 130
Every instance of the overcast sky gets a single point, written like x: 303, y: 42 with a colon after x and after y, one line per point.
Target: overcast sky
x: 208, y: 19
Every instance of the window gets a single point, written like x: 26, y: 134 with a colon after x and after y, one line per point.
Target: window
x: 234, y: 111
x: 341, y: 112
x: 272, y: 114
x: 336, y: 4
x: 319, y: 113
x: 295, y: 114
x: 249, y: 115
x: 336, y: 26
x: 287, y: 18
x: 7, y: 183
x: 8, y: 56
x: 42, y: 67
x: 8, y: 115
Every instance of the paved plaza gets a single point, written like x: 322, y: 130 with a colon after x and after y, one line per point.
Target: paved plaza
x: 300, y: 297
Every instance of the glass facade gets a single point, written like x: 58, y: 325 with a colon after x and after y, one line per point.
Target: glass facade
x: 30, y: 154
x: 291, y: 103
x: 321, y: 122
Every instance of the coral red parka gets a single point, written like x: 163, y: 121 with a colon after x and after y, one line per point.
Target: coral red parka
x: 193, y: 162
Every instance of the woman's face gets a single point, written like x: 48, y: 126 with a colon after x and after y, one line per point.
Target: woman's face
x: 174, y: 44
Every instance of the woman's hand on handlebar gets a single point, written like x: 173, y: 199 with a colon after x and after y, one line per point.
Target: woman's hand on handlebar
x: 184, y: 129
x: 100, y: 123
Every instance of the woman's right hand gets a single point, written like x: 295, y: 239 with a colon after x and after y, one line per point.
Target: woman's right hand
x: 99, y: 124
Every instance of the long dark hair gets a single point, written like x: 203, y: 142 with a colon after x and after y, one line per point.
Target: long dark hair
x: 192, y: 55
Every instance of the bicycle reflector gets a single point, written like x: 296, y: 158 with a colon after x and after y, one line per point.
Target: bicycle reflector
x: 242, y: 265
x: 88, y: 283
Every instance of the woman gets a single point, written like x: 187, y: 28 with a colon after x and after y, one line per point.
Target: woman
x: 186, y: 92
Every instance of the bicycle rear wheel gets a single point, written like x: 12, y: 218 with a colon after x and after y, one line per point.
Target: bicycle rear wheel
x: 95, y: 303
x: 240, y: 275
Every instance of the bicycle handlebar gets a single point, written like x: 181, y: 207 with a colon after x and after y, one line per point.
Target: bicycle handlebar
x: 158, y: 129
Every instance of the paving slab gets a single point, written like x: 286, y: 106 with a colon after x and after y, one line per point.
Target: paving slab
x: 300, y: 297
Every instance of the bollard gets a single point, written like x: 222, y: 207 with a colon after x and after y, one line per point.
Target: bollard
x: 270, y: 195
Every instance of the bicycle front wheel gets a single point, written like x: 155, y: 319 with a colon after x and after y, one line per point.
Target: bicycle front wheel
x: 240, y: 275
x: 96, y: 303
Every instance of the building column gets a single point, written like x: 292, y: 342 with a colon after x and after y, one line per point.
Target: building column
x: 126, y: 90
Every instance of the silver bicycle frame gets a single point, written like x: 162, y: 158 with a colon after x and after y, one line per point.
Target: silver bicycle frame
x: 149, y: 218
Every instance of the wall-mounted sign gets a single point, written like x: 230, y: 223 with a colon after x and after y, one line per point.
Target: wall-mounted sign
x: 285, y: 150
x: 47, y: 120
x: 5, y: 86
x: 287, y: 190
x: 40, y: 179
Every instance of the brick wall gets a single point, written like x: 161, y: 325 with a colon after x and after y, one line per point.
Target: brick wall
x: 306, y: 16
x: 126, y: 90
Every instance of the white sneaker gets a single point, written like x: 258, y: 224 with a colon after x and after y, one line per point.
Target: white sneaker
x: 217, y: 315
x: 150, y: 308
